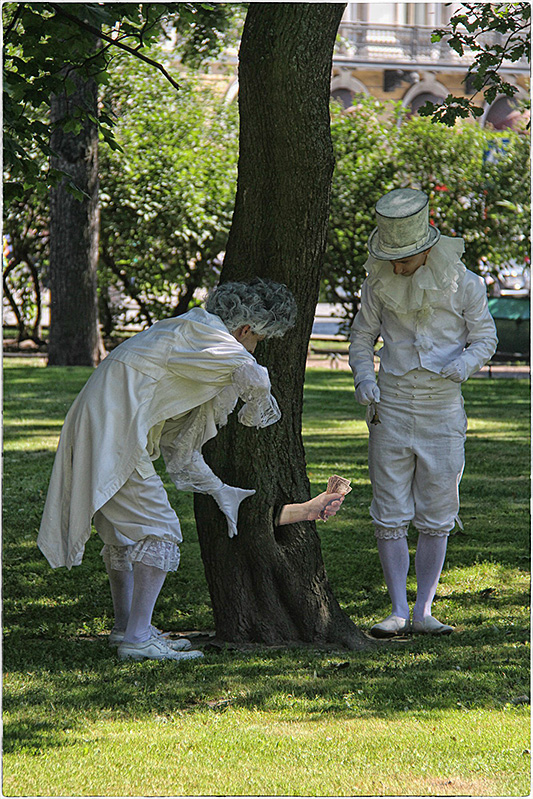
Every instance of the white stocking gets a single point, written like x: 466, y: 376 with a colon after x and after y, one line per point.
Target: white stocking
x: 147, y: 584
x: 394, y: 557
x: 121, y: 584
x: 429, y: 560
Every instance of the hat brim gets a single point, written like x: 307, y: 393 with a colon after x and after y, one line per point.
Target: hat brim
x: 381, y: 255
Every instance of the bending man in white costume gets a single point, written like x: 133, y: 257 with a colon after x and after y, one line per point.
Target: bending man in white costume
x: 168, y: 388
x: 432, y: 315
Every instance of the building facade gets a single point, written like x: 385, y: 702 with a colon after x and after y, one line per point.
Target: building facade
x: 385, y: 50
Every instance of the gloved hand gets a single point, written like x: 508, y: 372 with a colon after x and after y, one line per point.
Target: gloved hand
x: 366, y: 392
x: 456, y: 371
x: 228, y: 499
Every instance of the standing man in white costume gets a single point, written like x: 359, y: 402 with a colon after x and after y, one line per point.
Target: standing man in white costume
x: 166, y: 389
x: 433, y: 317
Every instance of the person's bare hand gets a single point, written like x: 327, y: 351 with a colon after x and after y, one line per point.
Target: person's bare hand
x: 324, y: 505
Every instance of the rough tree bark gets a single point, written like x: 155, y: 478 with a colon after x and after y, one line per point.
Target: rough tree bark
x: 269, y: 584
x: 74, y: 226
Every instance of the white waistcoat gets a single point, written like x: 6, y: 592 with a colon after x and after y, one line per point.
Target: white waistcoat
x: 426, y: 320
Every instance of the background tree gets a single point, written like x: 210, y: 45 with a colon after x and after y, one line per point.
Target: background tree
x: 494, y: 33
x: 74, y: 228
x: 363, y: 140
x: 56, y: 54
x: 477, y: 181
x: 269, y: 584
x: 25, y: 262
x: 166, y: 197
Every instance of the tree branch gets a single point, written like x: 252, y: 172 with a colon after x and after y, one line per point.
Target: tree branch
x: 109, y: 261
x: 36, y: 327
x: 16, y: 15
x: 11, y: 300
x: 114, y: 42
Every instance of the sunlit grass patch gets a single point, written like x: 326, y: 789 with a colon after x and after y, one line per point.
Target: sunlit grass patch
x: 421, y: 717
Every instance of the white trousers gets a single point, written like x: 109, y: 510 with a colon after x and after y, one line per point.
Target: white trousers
x: 138, y: 524
x: 416, y: 454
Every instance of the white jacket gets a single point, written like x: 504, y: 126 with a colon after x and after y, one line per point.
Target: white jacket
x: 427, y: 320
x: 115, y: 423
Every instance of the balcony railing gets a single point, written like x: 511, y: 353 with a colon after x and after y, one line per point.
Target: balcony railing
x: 364, y: 42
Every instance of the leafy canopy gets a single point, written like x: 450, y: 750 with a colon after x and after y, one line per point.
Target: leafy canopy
x: 495, y: 33
x: 477, y: 181
x: 167, y: 198
x: 45, y: 44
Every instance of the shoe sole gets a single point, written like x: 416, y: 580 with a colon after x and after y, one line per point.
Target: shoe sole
x: 138, y: 658
x: 383, y: 634
x: 186, y: 648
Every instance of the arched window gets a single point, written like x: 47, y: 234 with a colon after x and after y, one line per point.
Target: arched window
x: 344, y: 96
x: 421, y: 99
x: 345, y: 87
x: 503, y: 114
x: 427, y: 89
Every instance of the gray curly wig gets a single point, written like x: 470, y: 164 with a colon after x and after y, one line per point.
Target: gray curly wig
x: 269, y: 308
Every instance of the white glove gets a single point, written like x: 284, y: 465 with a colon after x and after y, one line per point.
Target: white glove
x: 228, y: 499
x: 456, y: 371
x: 366, y: 392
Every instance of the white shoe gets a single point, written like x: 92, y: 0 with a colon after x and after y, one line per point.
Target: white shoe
x: 431, y: 626
x: 179, y: 645
x: 391, y: 626
x: 154, y: 649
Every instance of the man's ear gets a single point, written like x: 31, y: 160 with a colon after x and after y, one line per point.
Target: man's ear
x: 241, y: 332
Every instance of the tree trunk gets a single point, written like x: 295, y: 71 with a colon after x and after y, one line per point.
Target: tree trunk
x: 74, y: 226
x: 269, y: 584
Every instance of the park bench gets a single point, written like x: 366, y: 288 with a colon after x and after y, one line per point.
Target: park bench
x: 512, y: 318
x: 332, y: 347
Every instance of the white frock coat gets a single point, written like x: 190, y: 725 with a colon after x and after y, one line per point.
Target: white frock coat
x: 162, y: 373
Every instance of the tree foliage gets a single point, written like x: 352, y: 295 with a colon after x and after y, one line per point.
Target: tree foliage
x: 36, y: 67
x: 494, y: 33
x: 478, y: 184
x: 477, y: 181
x: 166, y: 196
x: 364, y: 170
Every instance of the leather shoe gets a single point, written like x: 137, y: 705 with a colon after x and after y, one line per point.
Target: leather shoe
x: 431, y: 626
x: 179, y: 644
x: 154, y: 649
x: 391, y: 626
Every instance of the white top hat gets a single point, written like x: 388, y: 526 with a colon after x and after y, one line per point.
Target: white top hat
x: 403, y: 227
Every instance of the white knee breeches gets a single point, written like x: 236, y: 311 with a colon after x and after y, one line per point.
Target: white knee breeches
x: 416, y: 454
x: 139, y: 524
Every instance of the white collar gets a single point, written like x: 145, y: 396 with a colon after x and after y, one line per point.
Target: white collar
x: 405, y: 295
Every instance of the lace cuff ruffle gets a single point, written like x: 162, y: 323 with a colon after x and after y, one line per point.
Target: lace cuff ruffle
x: 151, y: 551
x: 195, y: 475
x: 390, y: 532
x: 252, y: 384
x: 427, y: 531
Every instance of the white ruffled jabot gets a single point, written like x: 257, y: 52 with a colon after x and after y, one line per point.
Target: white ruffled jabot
x: 405, y: 295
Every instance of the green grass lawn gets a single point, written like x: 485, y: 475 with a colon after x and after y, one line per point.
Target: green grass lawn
x: 421, y: 717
